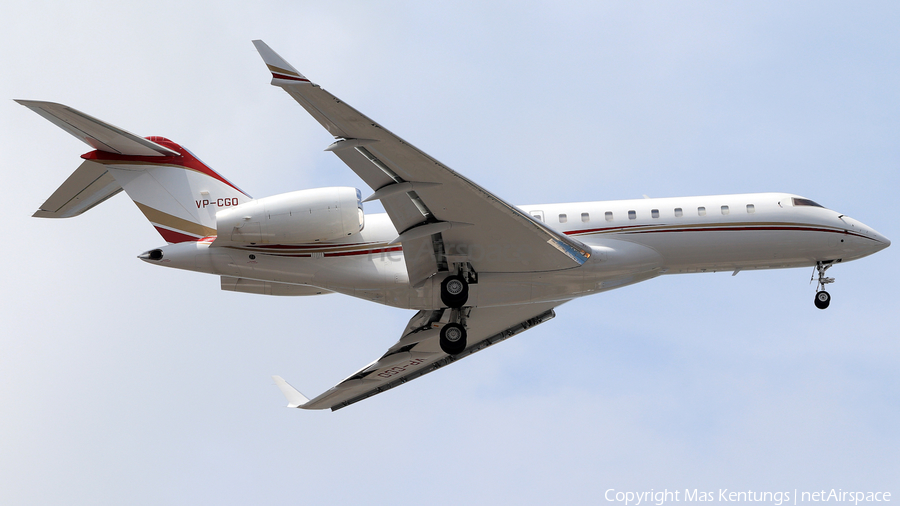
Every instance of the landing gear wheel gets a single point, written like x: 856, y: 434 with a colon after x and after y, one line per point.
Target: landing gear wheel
x: 453, y: 338
x: 454, y: 292
x: 823, y: 298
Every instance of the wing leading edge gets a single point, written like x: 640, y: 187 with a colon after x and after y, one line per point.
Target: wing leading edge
x: 418, y: 353
x: 439, y: 213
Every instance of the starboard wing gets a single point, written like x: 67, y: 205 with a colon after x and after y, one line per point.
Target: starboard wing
x: 441, y: 216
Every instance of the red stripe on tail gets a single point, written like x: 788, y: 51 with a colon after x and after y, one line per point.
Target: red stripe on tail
x: 186, y: 160
x: 173, y: 236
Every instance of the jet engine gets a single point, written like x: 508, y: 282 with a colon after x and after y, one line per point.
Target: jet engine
x: 300, y: 217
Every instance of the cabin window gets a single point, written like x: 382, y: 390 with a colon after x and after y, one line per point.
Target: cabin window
x: 537, y: 215
x: 751, y: 209
x: 632, y: 215
x: 585, y: 217
x: 563, y: 218
x: 701, y: 211
x: 654, y: 213
x: 609, y: 216
x: 678, y: 212
x: 725, y: 210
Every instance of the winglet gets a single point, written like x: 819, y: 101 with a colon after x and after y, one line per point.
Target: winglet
x: 280, y: 68
x: 295, y: 398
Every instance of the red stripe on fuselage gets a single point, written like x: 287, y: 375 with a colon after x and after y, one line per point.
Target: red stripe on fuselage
x: 364, y: 252
x: 606, y: 229
x: 337, y: 254
x: 303, y: 246
x: 748, y: 229
x: 715, y: 229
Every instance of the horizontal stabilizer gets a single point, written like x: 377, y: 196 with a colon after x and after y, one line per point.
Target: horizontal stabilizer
x: 88, y: 186
x: 95, y: 133
x: 295, y: 398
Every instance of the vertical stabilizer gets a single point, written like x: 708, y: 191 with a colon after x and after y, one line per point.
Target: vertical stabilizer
x: 176, y: 191
x: 180, y: 195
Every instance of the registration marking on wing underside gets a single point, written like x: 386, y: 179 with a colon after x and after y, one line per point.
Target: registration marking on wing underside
x: 448, y: 359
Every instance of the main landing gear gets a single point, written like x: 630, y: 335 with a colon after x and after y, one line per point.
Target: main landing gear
x: 454, y: 291
x: 453, y: 338
x: 454, y: 294
x: 823, y: 298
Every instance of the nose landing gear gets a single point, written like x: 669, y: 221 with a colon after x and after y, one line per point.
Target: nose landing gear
x: 823, y: 298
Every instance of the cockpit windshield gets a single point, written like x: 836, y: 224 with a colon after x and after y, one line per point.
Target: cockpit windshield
x: 805, y: 202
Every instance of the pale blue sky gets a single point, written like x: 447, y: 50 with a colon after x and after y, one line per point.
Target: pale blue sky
x: 122, y: 383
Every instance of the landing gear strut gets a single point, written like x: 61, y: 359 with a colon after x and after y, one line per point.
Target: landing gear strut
x: 823, y: 298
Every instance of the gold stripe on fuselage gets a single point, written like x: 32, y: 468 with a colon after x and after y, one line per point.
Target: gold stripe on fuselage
x: 174, y: 222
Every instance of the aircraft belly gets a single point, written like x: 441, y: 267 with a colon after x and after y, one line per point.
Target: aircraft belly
x: 612, y: 264
x: 360, y: 277
x: 383, y: 279
x: 615, y: 261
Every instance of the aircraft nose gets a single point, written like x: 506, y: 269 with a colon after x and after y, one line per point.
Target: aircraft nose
x: 867, y: 240
x: 880, y: 242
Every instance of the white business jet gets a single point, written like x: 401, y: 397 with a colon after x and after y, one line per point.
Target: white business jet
x: 478, y: 269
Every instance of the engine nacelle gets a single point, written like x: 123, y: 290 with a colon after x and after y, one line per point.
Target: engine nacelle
x: 305, y: 216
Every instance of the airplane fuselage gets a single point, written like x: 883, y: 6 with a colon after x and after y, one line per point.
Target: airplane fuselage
x: 630, y: 240
x: 479, y: 269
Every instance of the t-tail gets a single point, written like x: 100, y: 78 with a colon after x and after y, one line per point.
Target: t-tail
x: 177, y: 192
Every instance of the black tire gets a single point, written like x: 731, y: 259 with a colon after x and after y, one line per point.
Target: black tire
x: 454, y: 292
x: 453, y: 338
x: 823, y: 299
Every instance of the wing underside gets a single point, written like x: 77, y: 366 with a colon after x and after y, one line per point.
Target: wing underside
x: 418, y: 353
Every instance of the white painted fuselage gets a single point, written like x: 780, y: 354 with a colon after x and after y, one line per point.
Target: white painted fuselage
x: 479, y: 269
x: 630, y: 240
